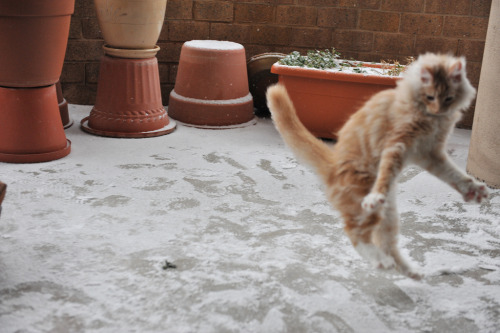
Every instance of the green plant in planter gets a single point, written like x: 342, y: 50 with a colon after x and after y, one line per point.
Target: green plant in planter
x: 330, y: 59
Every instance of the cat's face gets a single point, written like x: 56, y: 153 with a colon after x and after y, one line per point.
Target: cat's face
x: 441, y: 90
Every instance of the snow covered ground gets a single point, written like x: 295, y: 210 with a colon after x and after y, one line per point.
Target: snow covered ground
x: 223, y: 231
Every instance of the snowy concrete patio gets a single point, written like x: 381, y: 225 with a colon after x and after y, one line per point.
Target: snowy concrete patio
x: 223, y: 231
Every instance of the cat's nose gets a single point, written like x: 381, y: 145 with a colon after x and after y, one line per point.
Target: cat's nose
x: 433, y: 107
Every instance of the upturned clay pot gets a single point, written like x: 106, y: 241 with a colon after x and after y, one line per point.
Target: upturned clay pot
x: 30, y: 126
x: 128, y: 102
x: 131, y: 24
x: 33, y: 39
x: 324, y: 100
x: 211, y: 88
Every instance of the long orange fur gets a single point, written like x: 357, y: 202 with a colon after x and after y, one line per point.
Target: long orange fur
x: 407, y: 124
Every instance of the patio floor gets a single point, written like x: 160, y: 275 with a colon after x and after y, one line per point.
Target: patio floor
x: 223, y: 231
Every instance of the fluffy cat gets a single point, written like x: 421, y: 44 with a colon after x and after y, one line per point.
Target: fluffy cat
x: 407, y: 124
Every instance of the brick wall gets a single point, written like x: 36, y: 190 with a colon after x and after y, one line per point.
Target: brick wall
x: 368, y: 30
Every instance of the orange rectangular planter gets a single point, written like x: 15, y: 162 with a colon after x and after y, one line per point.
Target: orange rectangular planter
x: 325, y: 99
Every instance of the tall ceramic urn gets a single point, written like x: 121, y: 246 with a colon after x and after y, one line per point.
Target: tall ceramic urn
x: 484, y: 152
x: 33, y: 40
x: 128, y: 102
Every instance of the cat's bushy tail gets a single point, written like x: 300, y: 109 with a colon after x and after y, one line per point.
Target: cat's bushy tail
x: 305, y: 146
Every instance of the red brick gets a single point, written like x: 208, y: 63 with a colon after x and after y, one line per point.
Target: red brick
x: 92, y: 72
x: 378, y: 57
x: 76, y: 93
x: 217, y: 11
x: 351, y: 40
x: 173, y: 72
x: 460, y: 26
x: 254, y: 13
x: 84, y: 50
x: 240, y: 33
x: 474, y: 72
x: 73, y: 72
x: 400, y: 44
x: 75, y: 28
x: 363, y: 4
x: 165, y: 92
x: 337, y: 18
x: 317, y: 3
x: 455, y: 7
x: 296, y: 15
x: 169, y: 52
x: 90, y: 28
x: 164, y: 32
x: 188, y: 30
x: 402, y: 5
x: 271, y: 35
x: 422, y: 24
x: 379, y: 21
x: 471, y: 49
x: 254, y: 49
x: 311, y: 37
x: 164, y: 72
x: 481, y: 8
x: 84, y: 8
x: 179, y: 9
x: 435, y: 44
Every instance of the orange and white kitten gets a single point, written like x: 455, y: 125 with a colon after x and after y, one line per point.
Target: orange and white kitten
x: 407, y: 124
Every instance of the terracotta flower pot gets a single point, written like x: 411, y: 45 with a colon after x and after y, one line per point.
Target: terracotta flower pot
x: 30, y: 126
x: 128, y: 102
x: 211, y: 88
x: 131, y: 24
x: 33, y: 39
x: 325, y: 100
x: 260, y: 78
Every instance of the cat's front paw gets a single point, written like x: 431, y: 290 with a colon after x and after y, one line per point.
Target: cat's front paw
x: 474, y: 191
x: 372, y: 202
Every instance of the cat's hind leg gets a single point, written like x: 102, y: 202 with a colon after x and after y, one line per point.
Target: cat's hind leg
x: 385, y: 237
x: 360, y: 231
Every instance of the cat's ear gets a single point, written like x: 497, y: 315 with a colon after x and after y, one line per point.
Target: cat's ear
x: 426, y: 76
x: 456, y: 71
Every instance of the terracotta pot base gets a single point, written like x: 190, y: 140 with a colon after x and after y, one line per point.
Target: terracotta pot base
x: 211, y: 113
x: 30, y: 126
x: 169, y: 128
x: 37, y: 158
x: 128, y: 102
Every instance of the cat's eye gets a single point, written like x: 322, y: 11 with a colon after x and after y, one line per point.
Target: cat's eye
x: 430, y: 98
x: 448, y: 99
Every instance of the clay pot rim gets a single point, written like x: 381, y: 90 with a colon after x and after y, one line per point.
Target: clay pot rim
x: 36, y: 8
x: 130, y: 53
x: 37, y: 157
x: 332, y: 75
